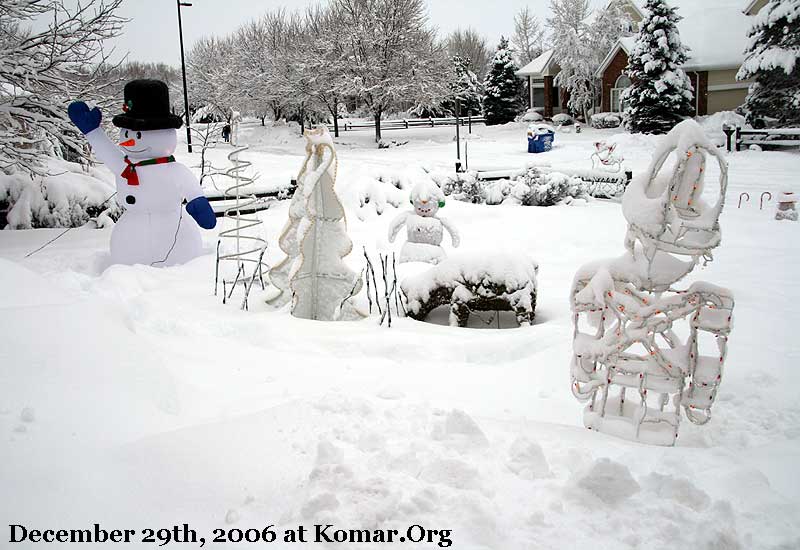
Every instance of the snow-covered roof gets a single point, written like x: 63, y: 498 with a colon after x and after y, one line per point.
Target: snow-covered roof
x: 538, y: 66
x: 714, y: 30
x: 626, y: 44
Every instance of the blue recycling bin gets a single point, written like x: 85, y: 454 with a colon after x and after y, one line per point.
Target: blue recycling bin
x: 541, y: 142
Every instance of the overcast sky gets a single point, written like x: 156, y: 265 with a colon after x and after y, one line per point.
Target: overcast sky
x: 152, y: 34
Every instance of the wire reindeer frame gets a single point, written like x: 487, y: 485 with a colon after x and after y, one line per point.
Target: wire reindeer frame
x: 633, y: 332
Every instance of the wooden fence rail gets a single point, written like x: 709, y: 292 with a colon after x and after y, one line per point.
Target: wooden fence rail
x: 407, y: 123
x: 773, y: 137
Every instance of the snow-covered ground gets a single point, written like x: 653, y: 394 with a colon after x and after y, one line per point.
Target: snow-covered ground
x: 132, y: 397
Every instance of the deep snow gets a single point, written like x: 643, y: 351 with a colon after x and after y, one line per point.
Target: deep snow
x: 132, y: 397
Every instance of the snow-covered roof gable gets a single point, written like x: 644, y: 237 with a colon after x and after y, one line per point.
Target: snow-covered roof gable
x: 714, y: 30
x: 626, y: 44
x: 754, y: 6
x: 538, y: 66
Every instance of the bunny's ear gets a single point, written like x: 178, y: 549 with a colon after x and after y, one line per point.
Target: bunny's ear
x: 441, y: 204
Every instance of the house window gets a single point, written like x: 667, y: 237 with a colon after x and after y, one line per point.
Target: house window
x: 617, y: 105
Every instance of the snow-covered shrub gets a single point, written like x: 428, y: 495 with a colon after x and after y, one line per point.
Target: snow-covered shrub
x: 70, y: 197
x: 563, y: 119
x: 532, y: 115
x: 606, y: 120
x: 546, y: 189
x: 495, y: 192
x: 464, y: 187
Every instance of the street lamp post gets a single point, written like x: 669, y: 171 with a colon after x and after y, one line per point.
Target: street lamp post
x: 183, y: 68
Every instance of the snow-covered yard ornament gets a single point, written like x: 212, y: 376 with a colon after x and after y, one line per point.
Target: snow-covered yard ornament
x: 606, y: 157
x: 155, y: 228
x: 786, y: 207
x: 315, y: 240
x: 424, y: 229
x: 633, y: 361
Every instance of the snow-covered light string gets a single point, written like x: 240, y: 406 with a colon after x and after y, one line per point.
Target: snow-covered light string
x: 249, y: 247
x: 627, y: 316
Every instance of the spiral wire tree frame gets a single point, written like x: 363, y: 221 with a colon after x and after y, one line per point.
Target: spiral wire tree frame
x: 248, y: 247
x: 633, y: 332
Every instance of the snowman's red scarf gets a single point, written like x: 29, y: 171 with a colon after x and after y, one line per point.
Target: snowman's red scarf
x: 130, y: 170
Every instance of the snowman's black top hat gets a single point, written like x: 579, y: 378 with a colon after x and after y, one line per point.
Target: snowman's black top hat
x: 146, y: 107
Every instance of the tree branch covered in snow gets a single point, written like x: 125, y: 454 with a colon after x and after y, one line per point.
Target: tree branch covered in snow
x: 773, y: 61
x: 42, y: 70
x: 529, y: 36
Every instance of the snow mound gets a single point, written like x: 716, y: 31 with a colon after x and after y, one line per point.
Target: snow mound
x: 608, y: 480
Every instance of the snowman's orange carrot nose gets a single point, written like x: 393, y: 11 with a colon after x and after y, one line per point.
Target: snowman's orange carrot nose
x: 424, y: 201
x: 128, y: 143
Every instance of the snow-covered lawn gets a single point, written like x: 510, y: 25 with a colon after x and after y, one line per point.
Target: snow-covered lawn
x: 130, y: 396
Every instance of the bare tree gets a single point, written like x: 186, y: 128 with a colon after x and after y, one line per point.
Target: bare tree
x: 392, y: 56
x: 471, y: 46
x: 528, y: 39
x: 41, y: 71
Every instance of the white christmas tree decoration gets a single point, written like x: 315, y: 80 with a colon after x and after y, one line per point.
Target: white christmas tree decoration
x: 424, y: 229
x: 315, y: 240
x: 633, y: 362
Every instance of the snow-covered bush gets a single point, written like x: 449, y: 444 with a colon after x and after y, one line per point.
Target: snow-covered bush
x: 563, y: 119
x: 606, y: 120
x: 532, y: 115
x: 463, y: 187
x: 70, y: 197
x: 547, y: 189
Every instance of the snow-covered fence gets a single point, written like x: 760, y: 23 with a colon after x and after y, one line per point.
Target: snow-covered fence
x: 219, y: 202
x: 406, y: 123
x: 774, y: 137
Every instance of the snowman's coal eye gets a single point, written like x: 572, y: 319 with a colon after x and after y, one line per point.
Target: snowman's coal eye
x: 126, y: 133
x: 138, y: 135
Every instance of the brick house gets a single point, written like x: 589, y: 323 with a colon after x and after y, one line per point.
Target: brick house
x: 714, y: 30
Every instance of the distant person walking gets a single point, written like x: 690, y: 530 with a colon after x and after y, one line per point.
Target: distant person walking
x: 226, y: 133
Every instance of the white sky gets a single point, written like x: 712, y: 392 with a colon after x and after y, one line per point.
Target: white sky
x: 152, y: 34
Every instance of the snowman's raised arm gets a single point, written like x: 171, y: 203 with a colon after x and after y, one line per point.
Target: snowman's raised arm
x: 106, y: 151
x: 397, y: 224
x: 197, y: 204
x: 454, y: 236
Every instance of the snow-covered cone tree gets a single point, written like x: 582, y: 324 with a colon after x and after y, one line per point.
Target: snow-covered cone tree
x: 315, y: 241
x: 773, y: 62
x: 502, y: 100
x: 661, y: 94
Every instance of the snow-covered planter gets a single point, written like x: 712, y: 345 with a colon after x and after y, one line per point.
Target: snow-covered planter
x: 477, y: 282
x: 563, y: 119
x: 606, y: 120
x: 70, y: 197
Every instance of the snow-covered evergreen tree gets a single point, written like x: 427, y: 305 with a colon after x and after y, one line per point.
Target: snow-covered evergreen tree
x: 502, y: 100
x: 773, y: 61
x: 661, y: 94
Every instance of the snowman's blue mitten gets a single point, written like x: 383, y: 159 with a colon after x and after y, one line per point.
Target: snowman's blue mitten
x: 84, y: 118
x: 202, y: 212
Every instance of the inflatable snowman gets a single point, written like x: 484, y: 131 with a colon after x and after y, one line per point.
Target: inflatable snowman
x: 155, y: 228
x: 424, y: 229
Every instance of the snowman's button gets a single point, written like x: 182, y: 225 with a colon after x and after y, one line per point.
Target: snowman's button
x: 130, y: 199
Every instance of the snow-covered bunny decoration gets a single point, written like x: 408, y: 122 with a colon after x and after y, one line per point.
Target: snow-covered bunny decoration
x: 155, y: 229
x: 424, y: 229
